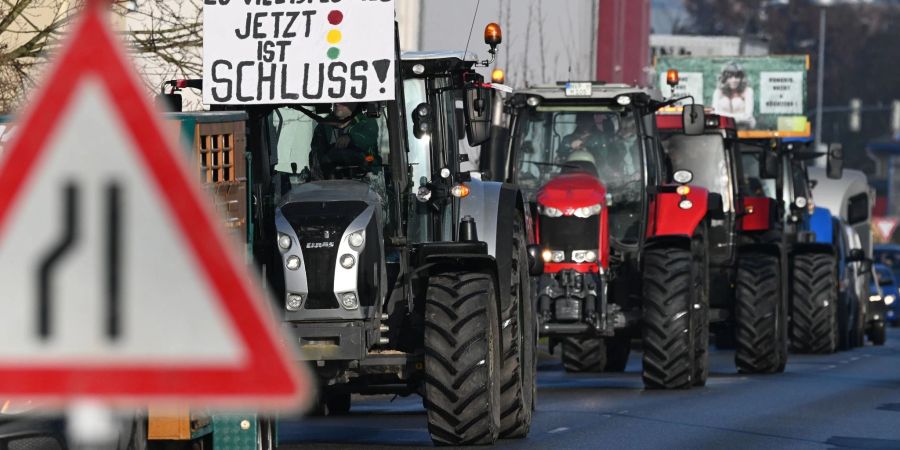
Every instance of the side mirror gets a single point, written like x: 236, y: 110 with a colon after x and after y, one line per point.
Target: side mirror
x: 169, y: 102
x: 768, y: 165
x: 535, y: 260
x: 856, y: 254
x: 423, y: 120
x: 715, y: 206
x: 835, y: 161
x: 694, y: 119
x: 478, y: 104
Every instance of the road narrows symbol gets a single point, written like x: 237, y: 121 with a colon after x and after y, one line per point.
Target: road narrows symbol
x: 67, y: 241
x: 69, y: 238
x: 113, y: 258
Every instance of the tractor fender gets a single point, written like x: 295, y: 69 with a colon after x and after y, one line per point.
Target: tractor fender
x: 670, y: 219
x: 493, y: 205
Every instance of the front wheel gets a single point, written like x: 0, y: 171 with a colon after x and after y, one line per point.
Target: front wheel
x: 814, y: 323
x: 668, y: 360
x: 462, y: 359
x: 758, y: 315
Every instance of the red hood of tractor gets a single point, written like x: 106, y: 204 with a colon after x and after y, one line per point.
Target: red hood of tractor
x: 574, y: 190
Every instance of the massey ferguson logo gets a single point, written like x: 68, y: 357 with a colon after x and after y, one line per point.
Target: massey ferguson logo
x: 320, y: 245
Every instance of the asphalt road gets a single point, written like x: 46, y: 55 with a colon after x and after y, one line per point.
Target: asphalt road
x: 845, y: 400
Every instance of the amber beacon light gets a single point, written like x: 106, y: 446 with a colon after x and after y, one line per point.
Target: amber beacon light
x: 497, y: 76
x: 672, y: 77
x: 493, y: 36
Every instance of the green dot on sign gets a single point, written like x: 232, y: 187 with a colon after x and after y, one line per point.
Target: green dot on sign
x: 334, y: 52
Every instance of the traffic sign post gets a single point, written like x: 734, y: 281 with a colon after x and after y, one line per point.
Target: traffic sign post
x: 118, y: 285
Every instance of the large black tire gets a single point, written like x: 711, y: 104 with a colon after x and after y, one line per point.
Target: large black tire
x: 758, y: 315
x: 618, y: 349
x: 668, y: 360
x: 462, y: 359
x: 583, y: 354
x: 814, y: 291
x: 517, y: 389
x: 700, y: 311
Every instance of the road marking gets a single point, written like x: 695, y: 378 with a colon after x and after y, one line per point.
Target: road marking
x: 558, y: 430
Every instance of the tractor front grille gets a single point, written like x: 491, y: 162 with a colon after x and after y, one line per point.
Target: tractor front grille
x: 570, y: 233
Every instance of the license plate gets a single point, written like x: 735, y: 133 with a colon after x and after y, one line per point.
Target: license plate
x: 578, y: 89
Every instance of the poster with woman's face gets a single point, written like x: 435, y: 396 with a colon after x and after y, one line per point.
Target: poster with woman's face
x: 766, y: 93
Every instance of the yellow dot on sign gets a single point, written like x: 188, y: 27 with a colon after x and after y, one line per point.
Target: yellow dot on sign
x: 334, y: 36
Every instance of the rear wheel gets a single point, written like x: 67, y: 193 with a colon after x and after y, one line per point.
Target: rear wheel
x: 462, y: 359
x: 584, y: 354
x: 618, y: 349
x: 758, y: 337
x: 668, y: 360
x: 814, y: 300
x: 518, y: 331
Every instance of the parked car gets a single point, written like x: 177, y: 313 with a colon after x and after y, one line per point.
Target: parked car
x: 885, y: 285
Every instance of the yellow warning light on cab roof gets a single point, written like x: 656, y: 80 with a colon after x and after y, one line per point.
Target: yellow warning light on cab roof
x: 497, y: 76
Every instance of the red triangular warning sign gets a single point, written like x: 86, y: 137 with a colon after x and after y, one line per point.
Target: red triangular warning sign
x: 118, y: 283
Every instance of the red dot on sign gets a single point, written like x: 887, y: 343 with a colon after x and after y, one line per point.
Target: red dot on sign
x: 335, y: 17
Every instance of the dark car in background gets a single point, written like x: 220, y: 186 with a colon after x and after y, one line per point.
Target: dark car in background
x: 885, y: 285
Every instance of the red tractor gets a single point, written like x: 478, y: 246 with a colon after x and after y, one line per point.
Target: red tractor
x: 746, y: 282
x: 624, y: 240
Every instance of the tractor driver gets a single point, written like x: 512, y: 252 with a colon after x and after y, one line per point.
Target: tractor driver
x: 344, y: 139
x: 592, y: 131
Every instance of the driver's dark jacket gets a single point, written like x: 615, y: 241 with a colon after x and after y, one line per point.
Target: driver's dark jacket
x: 363, y: 133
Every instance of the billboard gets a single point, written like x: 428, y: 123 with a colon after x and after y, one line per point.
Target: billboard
x: 766, y: 95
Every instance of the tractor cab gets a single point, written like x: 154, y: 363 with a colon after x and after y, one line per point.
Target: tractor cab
x: 608, y: 220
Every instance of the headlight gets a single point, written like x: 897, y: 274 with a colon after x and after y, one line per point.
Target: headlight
x: 623, y: 100
x: 347, y: 261
x: 357, y: 239
x: 558, y: 256
x: 683, y: 176
x: 533, y: 101
x: 284, y: 241
x: 888, y: 299
x: 685, y: 204
x: 293, y: 262
x: 800, y: 202
x: 549, y: 211
x: 547, y: 255
x: 588, y: 211
x: 349, y: 300
x: 875, y: 298
x: 580, y: 256
x: 293, y: 302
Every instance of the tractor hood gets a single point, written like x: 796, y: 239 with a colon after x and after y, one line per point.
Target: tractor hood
x: 332, y: 191
x: 570, y: 191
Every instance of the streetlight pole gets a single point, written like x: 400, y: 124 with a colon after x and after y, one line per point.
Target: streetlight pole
x: 820, y: 79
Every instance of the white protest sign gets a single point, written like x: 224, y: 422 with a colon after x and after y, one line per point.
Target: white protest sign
x: 297, y: 51
x: 689, y: 83
x: 781, y: 92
